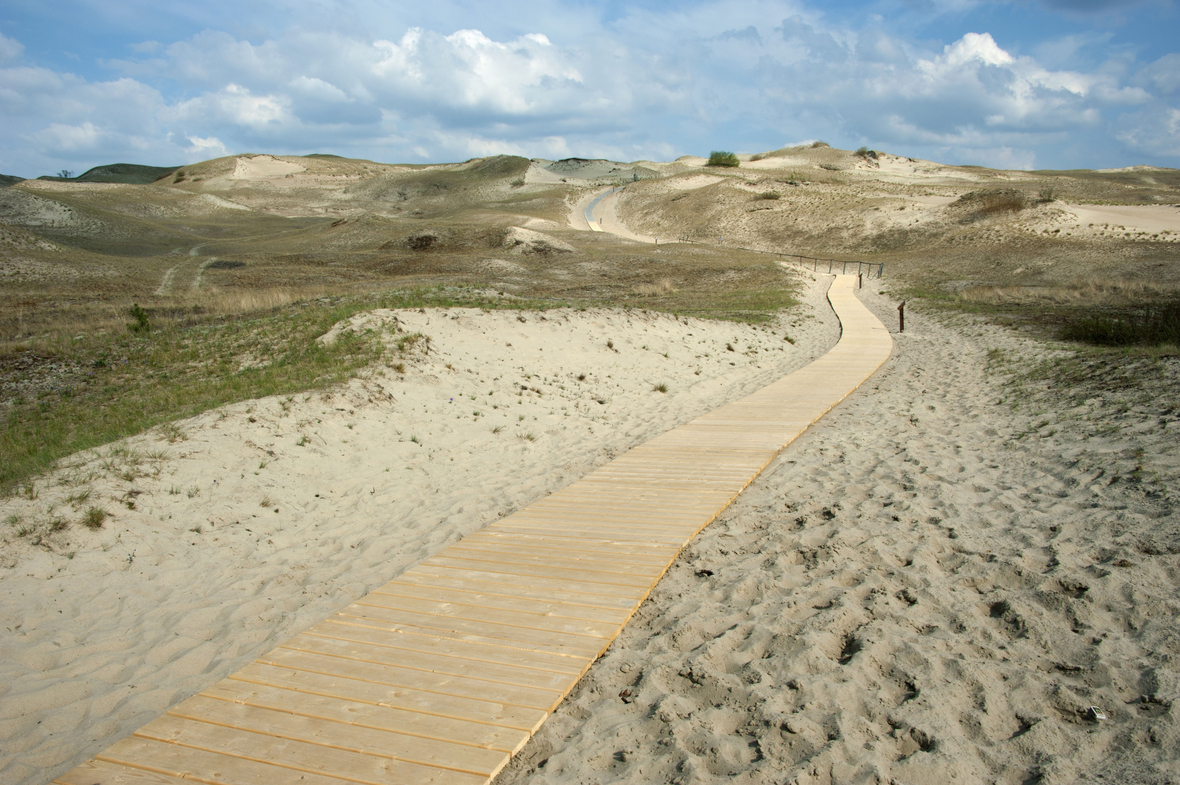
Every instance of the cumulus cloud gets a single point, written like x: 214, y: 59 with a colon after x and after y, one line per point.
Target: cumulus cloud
x: 651, y: 83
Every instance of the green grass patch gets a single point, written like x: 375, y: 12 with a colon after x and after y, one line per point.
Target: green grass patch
x: 141, y: 379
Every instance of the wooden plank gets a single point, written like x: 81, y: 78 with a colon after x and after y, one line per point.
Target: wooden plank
x: 469, y: 709
x: 194, y: 764
x: 535, y: 546
x: 583, y: 567
x: 471, y: 651
x: 370, y: 715
x: 300, y: 756
x: 516, y: 618
x: 496, y: 587
x: 383, y: 673
x: 97, y: 772
x: 464, y: 629
x: 348, y: 737
x: 476, y: 599
x: 434, y: 663
x: 590, y: 579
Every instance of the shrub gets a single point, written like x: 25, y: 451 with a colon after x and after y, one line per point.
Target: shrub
x: 141, y: 323
x: 771, y: 195
x: 1155, y: 325
x: 1002, y: 202
x: 819, y: 143
x: 723, y: 158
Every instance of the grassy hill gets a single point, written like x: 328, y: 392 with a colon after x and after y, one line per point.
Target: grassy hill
x: 129, y: 174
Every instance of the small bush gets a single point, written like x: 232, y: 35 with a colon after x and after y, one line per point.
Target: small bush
x: 819, y: 143
x: 661, y: 388
x: 771, y: 195
x: 723, y: 158
x: 141, y: 323
x: 518, y: 182
x: 1003, y: 202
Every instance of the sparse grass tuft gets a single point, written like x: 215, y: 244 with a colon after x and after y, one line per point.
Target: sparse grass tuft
x: 78, y: 498
x: 173, y: 433
x: 661, y: 388
x: 95, y: 518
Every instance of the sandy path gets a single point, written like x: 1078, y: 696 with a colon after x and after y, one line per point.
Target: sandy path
x: 610, y: 220
x: 272, y: 514
x: 927, y: 587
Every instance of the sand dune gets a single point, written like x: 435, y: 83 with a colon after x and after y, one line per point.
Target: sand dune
x: 928, y: 587
x: 274, y: 513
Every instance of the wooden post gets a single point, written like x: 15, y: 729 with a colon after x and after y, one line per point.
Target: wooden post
x: 901, y: 317
x: 860, y: 281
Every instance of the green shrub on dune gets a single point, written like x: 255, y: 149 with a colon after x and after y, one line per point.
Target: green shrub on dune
x: 722, y: 158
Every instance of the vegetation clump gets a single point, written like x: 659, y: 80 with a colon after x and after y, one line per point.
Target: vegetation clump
x: 1152, y: 325
x: 139, y: 323
x: 723, y: 158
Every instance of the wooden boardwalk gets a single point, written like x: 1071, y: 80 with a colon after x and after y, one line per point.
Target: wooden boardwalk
x: 442, y: 674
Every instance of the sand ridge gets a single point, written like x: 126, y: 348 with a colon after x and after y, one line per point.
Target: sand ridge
x: 271, y: 514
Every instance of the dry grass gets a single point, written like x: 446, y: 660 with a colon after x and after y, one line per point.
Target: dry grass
x: 1094, y: 293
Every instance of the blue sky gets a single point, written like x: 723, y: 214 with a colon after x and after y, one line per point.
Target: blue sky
x: 1030, y: 84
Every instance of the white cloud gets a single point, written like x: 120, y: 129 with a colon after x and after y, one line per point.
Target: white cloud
x: 653, y: 83
x: 233, y: 104
x: 70, y: 137
x: 10, y: 49
x: 203, y: 149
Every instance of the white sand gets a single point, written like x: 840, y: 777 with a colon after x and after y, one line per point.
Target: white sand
x: 241, y: 536
x: 259, y: 167
x: 928, y: 587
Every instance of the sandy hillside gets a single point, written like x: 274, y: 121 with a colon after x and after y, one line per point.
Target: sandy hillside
x: 266, y: 516
x: 936, y: 582
x: 930, y: 586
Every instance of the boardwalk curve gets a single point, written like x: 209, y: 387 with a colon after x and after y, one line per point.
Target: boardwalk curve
x: 444, y: 673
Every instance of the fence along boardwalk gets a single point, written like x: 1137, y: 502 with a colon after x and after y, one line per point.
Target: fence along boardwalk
x: 442, y: 674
